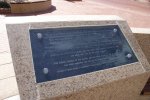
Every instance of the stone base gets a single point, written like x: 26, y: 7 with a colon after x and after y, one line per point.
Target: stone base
x: 30, y: 7
x: 121, y: 83
x: 4, y: 10
x: 126, y: 89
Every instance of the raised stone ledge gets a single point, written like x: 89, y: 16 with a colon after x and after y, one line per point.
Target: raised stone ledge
x: 30, y: 7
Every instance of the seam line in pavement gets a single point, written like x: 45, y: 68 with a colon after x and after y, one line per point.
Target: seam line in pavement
x: 4, y: 52
x: 9, y: 97
x: 7, y: 78
x: 5, y: 63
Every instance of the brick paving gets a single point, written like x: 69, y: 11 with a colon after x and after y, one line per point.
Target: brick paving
x: 136, y: 13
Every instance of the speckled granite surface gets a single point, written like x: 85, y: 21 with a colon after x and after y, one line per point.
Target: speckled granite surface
x: 124, y: 89
x: 131, y: 77
x: 144, y: 42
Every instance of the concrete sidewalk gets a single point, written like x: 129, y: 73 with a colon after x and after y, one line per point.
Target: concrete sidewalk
x: 8, y: 85
x: 13, y: 98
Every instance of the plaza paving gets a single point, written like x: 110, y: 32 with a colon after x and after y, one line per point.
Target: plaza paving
x: 137, y: 14
x: 8, y: 86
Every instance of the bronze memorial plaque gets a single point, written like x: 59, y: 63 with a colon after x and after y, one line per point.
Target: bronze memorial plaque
x: 70, y: 51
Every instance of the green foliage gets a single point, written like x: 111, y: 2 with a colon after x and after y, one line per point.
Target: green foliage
x: 4, y: 4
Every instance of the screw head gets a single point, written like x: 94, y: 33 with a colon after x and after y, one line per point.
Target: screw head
x: 45, y: 70
x: 115, y: 30
x: 129, y: 55
x: 39, y: 35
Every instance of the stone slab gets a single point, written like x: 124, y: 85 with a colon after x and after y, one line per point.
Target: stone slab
x: 4, y: 46
x: 17, y: 97
x: 53, y: 18
x: 22, y: 59
x: 6, y: 71
x: 8, y: 87
x: 140, y: 30
x: 30, y: 7
x: 5, y: 58
x: 144, y: 42
x: 125, y: 89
